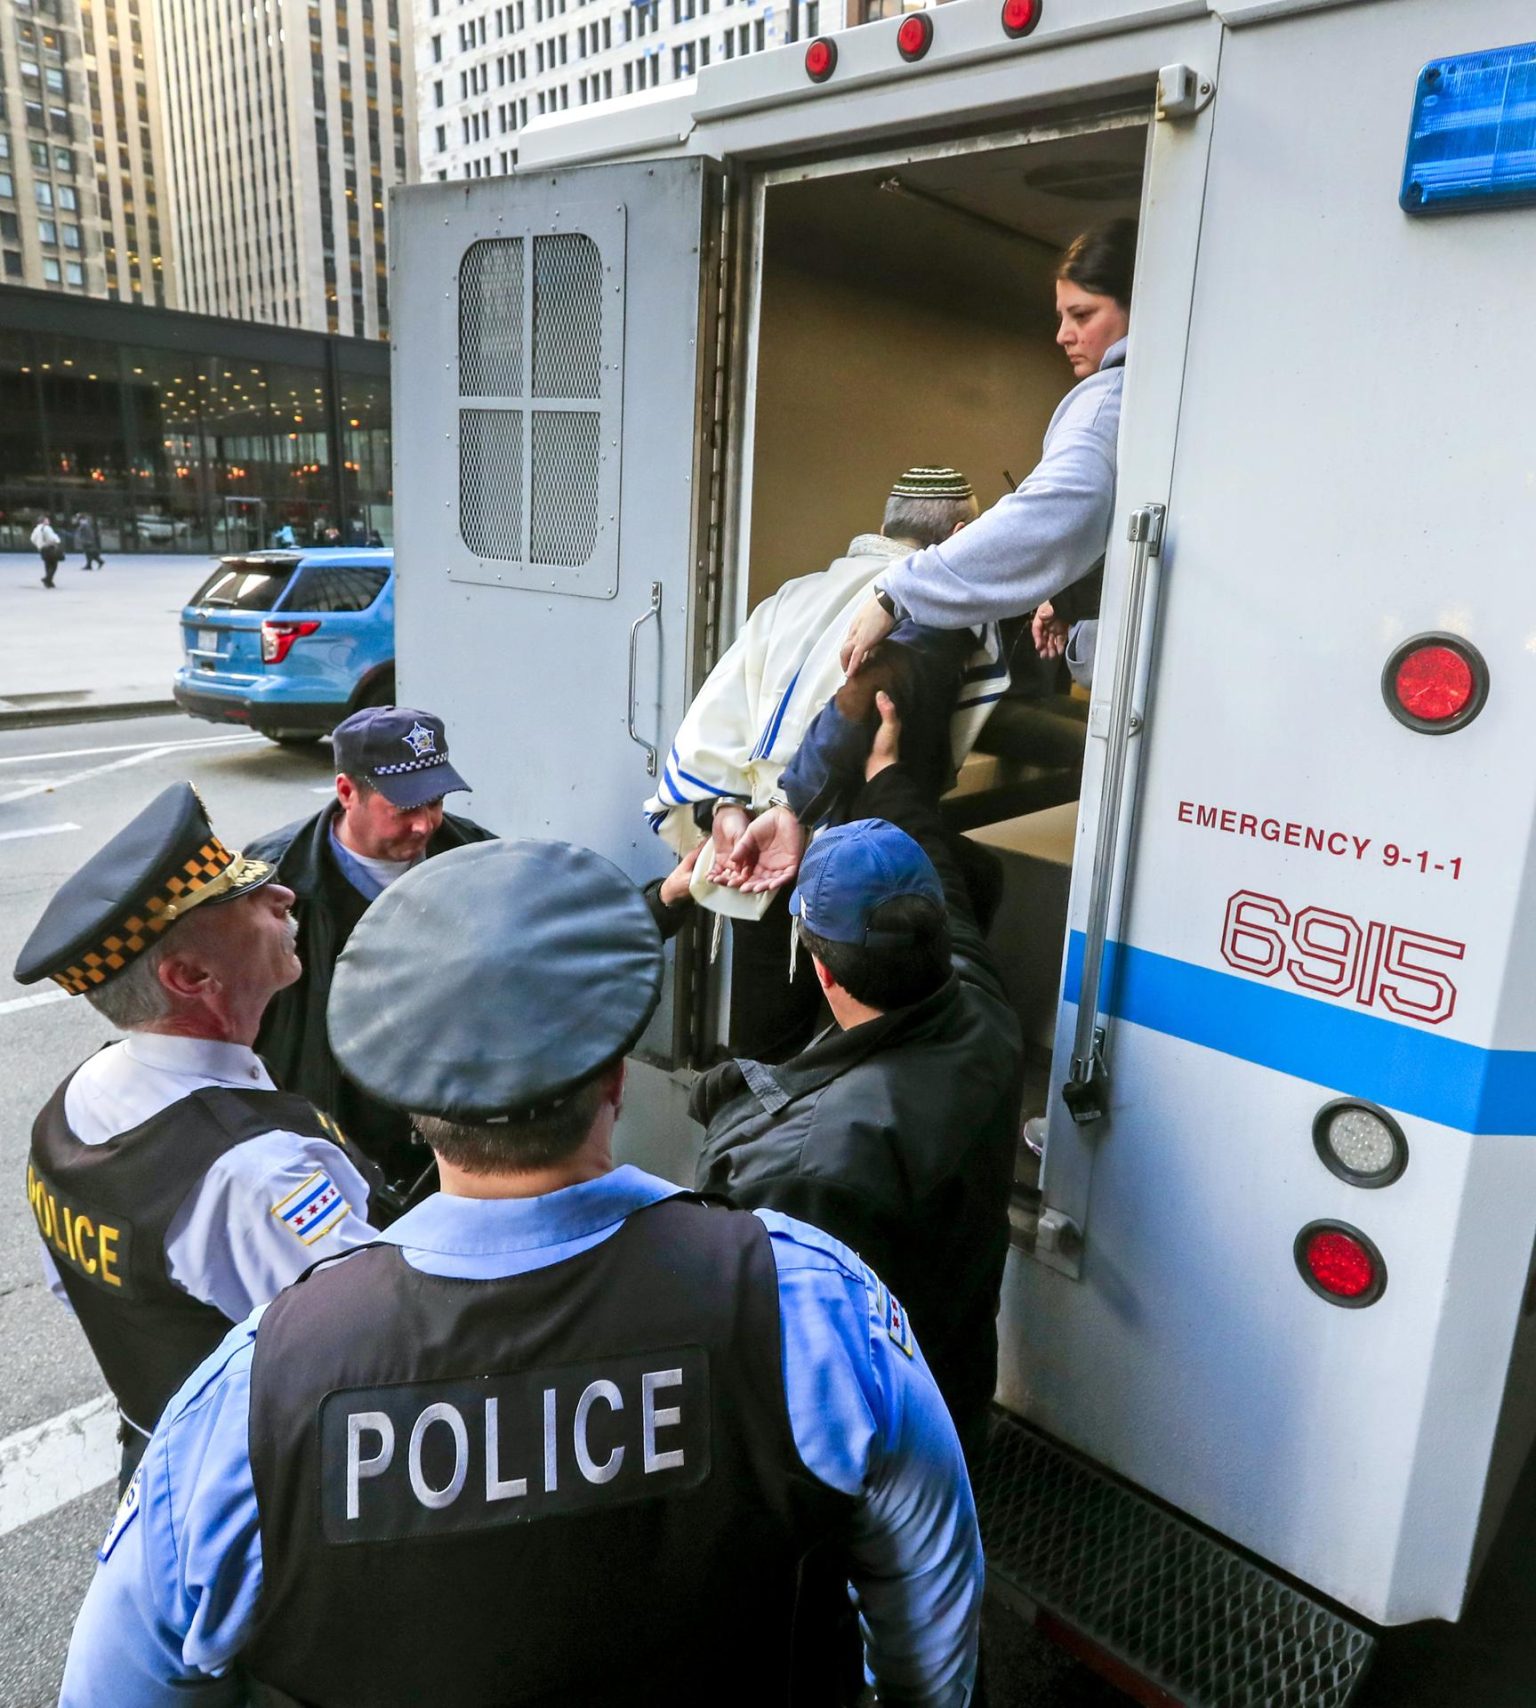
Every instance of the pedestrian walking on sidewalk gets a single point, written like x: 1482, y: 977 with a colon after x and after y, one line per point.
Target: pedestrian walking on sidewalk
x: 48, y: 547
x: 88, y: 540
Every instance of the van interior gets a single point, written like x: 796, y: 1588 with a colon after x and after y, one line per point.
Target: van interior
x: 907, y: 316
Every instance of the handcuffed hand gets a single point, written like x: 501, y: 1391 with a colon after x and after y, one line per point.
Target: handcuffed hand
x: 767, y: 855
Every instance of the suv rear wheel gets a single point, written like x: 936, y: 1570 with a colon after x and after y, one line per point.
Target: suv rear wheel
x: 379, y: 692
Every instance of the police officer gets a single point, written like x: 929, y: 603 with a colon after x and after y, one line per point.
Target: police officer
x: 393, y: 771
x: 565, y: 1434
x: 174, y: 1187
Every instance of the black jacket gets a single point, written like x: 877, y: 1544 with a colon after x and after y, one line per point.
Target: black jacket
x: 897, y: 1137
x: 293, y: 1038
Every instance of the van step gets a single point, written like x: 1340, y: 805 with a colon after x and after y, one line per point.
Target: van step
x: 1160, y: 1600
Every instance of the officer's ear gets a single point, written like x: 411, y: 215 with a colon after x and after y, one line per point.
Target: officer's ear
x: 185, y: 975
x: 823, y: 977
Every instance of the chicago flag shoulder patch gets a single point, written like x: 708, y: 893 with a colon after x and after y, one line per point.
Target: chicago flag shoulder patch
x: 313, y: 1208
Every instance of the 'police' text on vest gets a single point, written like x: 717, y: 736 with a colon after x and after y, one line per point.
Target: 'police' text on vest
x: 434, y: 1458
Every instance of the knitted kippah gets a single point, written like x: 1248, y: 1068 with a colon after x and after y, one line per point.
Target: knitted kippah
x: 932, y: 483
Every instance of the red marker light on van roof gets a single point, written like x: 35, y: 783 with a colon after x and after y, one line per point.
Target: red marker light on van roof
x: 1340, y: 1264
x: 820, y: 59
x: 915, y: 36
x: 1435, y: 683
x: 1020, y: 16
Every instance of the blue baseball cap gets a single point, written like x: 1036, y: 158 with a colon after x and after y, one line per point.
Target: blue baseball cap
x: 851, y: 870
x: 403, y: 753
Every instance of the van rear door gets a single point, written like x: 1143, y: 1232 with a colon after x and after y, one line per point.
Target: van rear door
x: 556, y: 397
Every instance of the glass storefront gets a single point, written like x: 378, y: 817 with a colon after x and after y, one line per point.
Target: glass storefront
x: 179, y: 432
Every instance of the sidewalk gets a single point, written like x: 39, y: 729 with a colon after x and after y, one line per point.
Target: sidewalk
x: 96, y: 645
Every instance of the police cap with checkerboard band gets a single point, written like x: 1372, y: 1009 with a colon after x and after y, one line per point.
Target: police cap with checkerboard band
x: 493, y: 980
x: 152, y: 873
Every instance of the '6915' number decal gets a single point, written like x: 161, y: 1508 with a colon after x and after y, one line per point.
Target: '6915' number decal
x: 1333, y: 954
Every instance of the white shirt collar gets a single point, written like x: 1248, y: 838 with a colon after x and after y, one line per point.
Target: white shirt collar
x: 203, y: 1058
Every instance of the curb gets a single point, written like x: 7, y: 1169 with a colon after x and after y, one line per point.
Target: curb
x: 86, y: 712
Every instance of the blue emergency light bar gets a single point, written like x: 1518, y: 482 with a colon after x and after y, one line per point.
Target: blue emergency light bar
x: 1472, y: 140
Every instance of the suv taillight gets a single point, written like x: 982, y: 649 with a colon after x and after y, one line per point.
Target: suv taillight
x: 277, y: 638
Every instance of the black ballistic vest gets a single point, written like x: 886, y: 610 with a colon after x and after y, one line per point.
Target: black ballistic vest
x: 104, y: 1212
x: 575, y: 1486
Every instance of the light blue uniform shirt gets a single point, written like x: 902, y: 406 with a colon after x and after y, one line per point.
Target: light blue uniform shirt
x: 175, y: 1596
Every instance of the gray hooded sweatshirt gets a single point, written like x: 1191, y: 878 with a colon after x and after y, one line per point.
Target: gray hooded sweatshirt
x: 1037, y: 540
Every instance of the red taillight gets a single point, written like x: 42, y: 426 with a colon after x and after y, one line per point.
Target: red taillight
x: 1435, y: 683
x: 820, y: 59
x: 1340, y: 1263
x: 277, y: 638
x: 915, y: 36
x: 1020, y: 16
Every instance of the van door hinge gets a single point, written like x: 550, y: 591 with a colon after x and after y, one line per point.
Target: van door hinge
x: 1059, y: 1243
x: 1182, y: 92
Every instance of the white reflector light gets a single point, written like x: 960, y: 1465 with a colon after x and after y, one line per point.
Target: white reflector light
x: 1360, y: 1143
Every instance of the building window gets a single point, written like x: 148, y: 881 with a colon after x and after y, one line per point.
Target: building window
x: 437, y: 93
x: 68, y: 199
x: 10, y: 228
x: 437, y: 50
x: 43, y: 190
x: 12, y: 264
x: 7, y: 186
x: 51, y: 270
x: 71, y: 236
x: 64, y: 160
x: 74, y: 273
x: 5, y: 146
x: 47, y: 232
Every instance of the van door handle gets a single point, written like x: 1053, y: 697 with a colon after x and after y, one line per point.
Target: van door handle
x: 634, y: 649
x: 1086, y: 1092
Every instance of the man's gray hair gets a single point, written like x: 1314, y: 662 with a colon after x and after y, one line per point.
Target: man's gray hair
x: 135, y: 998
x: 926, y: 521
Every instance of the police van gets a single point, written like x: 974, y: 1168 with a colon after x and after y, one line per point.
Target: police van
x: 1269, y: 1323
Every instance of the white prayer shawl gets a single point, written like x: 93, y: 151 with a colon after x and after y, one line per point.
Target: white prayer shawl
x: 747, y: 721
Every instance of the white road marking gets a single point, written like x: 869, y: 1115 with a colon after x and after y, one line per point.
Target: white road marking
x: 17, y: 1003
x: 127, y: 747
x: 157, y: 752
x: 56, y: 1461
x: 39, y: 830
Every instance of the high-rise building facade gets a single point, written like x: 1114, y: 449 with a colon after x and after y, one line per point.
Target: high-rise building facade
x: 122, y: 98
x: 286, y: 122
x: 54, y: 226
x: 484, y: 68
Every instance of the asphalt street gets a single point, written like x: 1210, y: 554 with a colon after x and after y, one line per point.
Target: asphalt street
x: 64, y: 790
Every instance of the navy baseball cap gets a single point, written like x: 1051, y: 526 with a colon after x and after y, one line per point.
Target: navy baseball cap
x: 403, y: 753
x: 851, y: 870
x: 493, y: 980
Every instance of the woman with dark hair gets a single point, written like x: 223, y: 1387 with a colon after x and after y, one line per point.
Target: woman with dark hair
x: 1051, y: 531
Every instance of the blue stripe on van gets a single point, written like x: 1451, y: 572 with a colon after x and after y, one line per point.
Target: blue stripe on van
x: 1357, y: 1054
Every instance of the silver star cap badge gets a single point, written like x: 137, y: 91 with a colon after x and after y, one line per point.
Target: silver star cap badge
x: 421, y: 740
